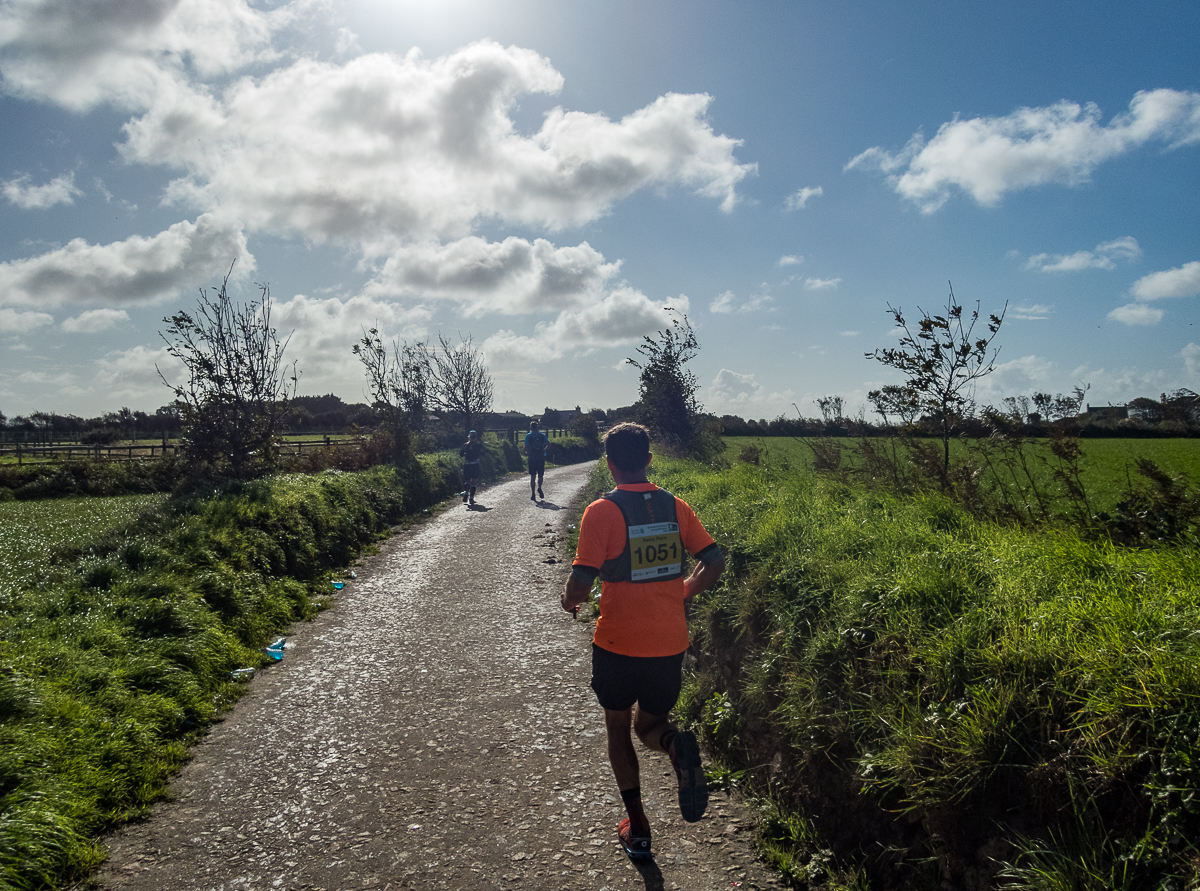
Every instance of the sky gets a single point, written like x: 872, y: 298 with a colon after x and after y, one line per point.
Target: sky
x: 558, y: 180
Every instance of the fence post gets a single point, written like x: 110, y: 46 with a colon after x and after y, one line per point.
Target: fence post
x: 18, y: 454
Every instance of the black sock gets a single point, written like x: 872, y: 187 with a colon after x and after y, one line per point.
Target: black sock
x: 631, y: 795
x: 668, y: 737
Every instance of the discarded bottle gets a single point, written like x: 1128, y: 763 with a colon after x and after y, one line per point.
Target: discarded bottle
x: 277, y: 655
x: 353, y: 574
x: 339, y: 585
x: 278, y: 644
x: 242, y: 674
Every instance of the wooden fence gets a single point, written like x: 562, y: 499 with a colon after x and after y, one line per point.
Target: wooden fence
x: 137, y: 451
x: 146, y: 451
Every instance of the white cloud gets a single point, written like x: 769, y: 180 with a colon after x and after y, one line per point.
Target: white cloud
x: 727, y: 302
x: 1191, y: 359
x: 1021, y: 375
x: 346, y: 43
x: 81, y: 54
x: 1062, y: 143
x: 134, y: 270
x: 510, y: 277
x: 623, y: 317
x: 1105, y: 256
x: 384, y: 148
x: 60, y: 190
x: 94, y: 320
x: 790, y: 260
x: 323, y: 331
x: 740, y: 394
x: 1183, y: 281
x: 849, y: 333
x: 821, y: 284
x: 731, y: 388
x: 1033, y: 312
x: 1136, y: 314
x: 1120, y: 385
x: 15, y: 322
x: 800, y: 199
x: 129, y: 377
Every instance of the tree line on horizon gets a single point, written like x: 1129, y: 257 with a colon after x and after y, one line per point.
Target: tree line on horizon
x: 239, y: 395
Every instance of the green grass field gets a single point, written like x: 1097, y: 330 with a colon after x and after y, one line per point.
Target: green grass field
x: 32, y: 533
x: 1107, y: 463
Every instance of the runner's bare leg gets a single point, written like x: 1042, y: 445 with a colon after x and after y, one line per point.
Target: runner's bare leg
x: 623, y: 758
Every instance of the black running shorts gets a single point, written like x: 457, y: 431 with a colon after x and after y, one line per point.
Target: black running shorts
x: 537, y: 465
x: 653, y: 682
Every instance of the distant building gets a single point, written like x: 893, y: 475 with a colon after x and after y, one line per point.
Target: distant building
x: 1106, y: 412
x: 559, y: 418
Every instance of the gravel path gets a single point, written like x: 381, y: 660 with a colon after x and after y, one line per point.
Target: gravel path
x: 433, y: 729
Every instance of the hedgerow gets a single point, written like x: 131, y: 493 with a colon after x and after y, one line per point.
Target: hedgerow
x: 116, y: 651
x: 921, y: 698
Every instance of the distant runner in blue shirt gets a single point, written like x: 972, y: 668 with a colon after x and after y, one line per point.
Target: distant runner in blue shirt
x: 535, y: 451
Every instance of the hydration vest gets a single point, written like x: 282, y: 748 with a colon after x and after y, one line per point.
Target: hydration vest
x: 653, y: 549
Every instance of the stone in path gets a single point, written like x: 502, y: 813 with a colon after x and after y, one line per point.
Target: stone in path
x: 433, y: 729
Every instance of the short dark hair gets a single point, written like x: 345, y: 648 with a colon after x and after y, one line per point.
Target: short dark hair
x: 532, y: 424
x: 627, y: 446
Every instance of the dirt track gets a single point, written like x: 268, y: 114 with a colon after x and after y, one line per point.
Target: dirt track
x: 434, y: 729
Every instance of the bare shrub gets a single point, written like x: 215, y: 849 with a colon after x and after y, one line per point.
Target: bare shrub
x: 235, y: 398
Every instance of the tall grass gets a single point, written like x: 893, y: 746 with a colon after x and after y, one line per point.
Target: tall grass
x: 1108, y: 466
x: 958, y: 692
x: 111, y: 665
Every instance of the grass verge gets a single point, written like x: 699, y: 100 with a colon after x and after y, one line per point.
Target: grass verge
x: 940, y: 699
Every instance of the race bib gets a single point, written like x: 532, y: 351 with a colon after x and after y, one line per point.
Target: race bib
x: 654, y: 550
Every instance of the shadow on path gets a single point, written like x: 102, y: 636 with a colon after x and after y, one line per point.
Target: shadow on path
x: 650, y: 874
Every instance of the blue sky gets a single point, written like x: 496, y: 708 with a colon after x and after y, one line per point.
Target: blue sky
x: 548, y: 176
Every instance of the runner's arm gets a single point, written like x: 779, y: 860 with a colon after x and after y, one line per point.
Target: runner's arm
x: 710, y: 563
x: 578, y: 587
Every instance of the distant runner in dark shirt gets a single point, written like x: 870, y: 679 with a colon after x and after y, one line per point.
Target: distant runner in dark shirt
x: 535, y: 451
x: 472, y: 451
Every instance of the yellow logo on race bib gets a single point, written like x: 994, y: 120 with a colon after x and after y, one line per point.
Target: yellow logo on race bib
x: 655, y: 551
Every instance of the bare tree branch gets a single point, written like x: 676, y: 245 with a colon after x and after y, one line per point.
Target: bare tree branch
x: 235, y: 397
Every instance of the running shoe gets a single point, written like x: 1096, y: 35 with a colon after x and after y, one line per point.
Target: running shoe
x: 637, y: 847
x: 540, y: 495
x: 693, y: 788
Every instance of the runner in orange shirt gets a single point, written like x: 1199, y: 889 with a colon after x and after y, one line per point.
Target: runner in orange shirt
x: 633, y: 539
